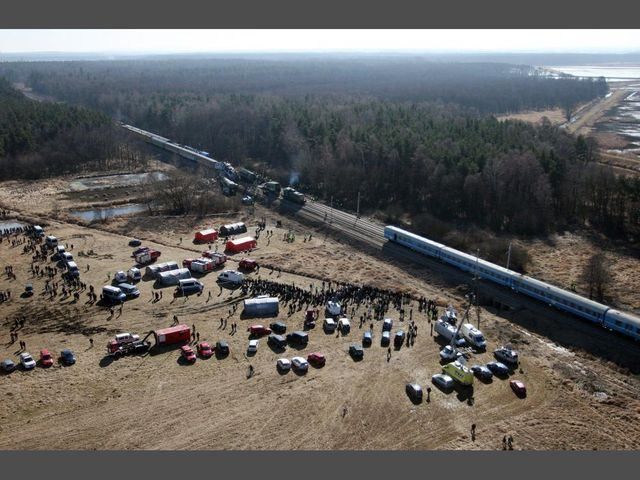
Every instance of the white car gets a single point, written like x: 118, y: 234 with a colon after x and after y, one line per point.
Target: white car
x: 449, y: 353
x: 27, y: 361
x: 283, y: 364
x: 120, y: 277
x: 253, y: 346
x: 329, y: 325
x: 300, y: 364
x: 443, y: 381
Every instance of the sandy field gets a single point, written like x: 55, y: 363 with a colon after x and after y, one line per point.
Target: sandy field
x: 575, y: 400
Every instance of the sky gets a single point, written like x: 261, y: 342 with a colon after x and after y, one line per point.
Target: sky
x: 205, y: 41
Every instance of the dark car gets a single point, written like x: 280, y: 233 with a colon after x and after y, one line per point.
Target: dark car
x: 482, y: 372
x: 356, y: 352
x: 8, y: 366
x: 387, y: 324
x: 317, y: 359
x: 367, y: 339
x: 414, y: 392
x: 222, y: 348
x: 67, y: 357
x: 385, y: 339
x: 507, y: 355
x: 298, y: 338
x: 277, y: 341
x: 398, y: 338
x: 498, y: 368
x: 134, y: 242
x: 278, y: 327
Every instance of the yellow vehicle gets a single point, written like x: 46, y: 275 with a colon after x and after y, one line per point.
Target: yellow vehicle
x: 459, y: 372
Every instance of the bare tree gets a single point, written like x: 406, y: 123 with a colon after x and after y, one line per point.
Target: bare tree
x: 596, y: 275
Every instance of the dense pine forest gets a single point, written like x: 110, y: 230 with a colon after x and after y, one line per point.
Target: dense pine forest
x: 417, y: 139
x: 44, y: 139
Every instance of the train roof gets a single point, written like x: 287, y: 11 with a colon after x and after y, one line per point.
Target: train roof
x: 414, y: 236
x: 627, y: 317
x: 565, y: 293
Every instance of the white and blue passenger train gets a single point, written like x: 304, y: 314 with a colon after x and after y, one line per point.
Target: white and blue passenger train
x: 595, y: 312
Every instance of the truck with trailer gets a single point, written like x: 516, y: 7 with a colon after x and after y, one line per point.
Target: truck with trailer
x: 128, y: 344
x: 293, y: 195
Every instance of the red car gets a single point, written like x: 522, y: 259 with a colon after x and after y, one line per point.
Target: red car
x: 258, y: 330
x: 186, y: 263
x: 316, y: 359
x: 46, y: 360
x: 204, y: 350
x: 518, y: 387
x: 187, y: 353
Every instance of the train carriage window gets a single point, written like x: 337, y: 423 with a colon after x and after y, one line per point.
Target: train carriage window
x: 618, y: 323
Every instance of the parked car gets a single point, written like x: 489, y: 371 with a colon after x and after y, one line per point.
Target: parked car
x: 205, y: 350
x: 300, y: 364
x: 134, y: 242
x: 253, y: 346
x: 283, y: 364
x: 518, y: 387
x: 414, y: 392
x: 482, y: 372
x: 316, y: 359
x: 27, y: 361
x: 356, y: 352
x: 449, y: 354
x: 329, y: 325
x: 498, y: 368
x: 134, y: 274
x: 278, y: 342
x: 28, y: 289
x: 187, y: 353
x: 67, y: 357
x: 344, y: 325
x: 278, y: 327
x: 445, y: 382
x: 367, y: 339
x: 507, y: 355
x: 258, y: 330
x: 386, y: 339
x: 45, y: 358
x: 298, y: 338
x: 387, y: 324
x: 398, y: 338
x: 7, y: 366
x: 222, y: 348
x: 334, y: 308
x: 120, y: 277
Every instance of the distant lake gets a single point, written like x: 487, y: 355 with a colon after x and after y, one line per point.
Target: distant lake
x: 613, y: 73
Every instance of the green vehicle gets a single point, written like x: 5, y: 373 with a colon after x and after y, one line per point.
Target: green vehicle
x: 459, y: 372
x: 293, y: 196
x: 272, y: 187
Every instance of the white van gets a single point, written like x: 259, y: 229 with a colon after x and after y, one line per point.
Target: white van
x: 447, y: 331
x: 329, y: 325
x: 66, y: 257
x: 51, y: 241
x: 187, y: 286
x: 473, y: 336
x: 38, y: 231
x: 113, y: 294
x: 343, y: 325
x: 73, y: 269
x: 134, y: 274
x: 231, y: 276
x: 120, y: 277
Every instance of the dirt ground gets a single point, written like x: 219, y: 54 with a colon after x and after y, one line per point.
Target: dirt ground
x: 575, y: 400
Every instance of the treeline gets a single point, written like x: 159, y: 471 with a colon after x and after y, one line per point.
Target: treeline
x: 123, y: 88
x: 45, y: 139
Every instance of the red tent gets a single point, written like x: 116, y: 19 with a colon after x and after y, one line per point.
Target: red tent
x: 241, y: 244
x: 206, y: 235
